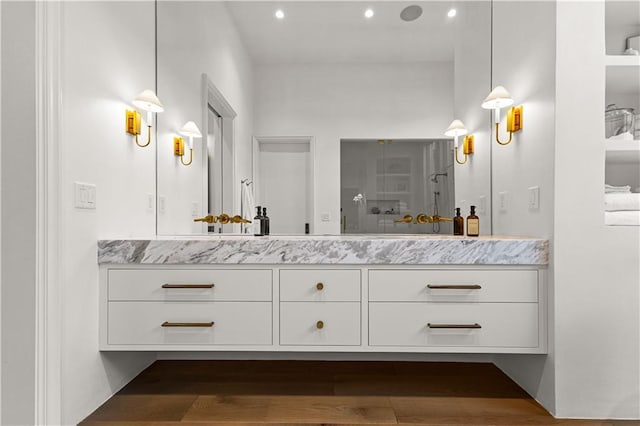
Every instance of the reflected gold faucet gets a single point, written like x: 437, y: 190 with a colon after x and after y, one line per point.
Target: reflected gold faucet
x: 423, y: 218
x: 406, y: 219
x: 223, y: 219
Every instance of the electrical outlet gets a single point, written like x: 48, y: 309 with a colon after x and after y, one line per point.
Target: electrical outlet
x: 325, y: 217
x: 195, y: 210
x: 85, y: 195
x: 534, y: 197
x: 482, y: 204
x: 502, y: 201
x: 162, y: 204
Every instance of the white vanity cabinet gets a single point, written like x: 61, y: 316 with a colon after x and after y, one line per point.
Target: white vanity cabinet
x: 324, y: 308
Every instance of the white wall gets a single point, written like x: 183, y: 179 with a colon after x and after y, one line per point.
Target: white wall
x: 592, y: 370
x: 350, y: 101
x: 18, y: 214
x: 107, y: 59
x: 472, y: 83
x: 196, y: 38
x: 597, y: 268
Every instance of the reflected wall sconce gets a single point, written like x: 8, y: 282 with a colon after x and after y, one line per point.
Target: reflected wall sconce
x: 455, y: 130
x: 500, y: 98
x: 191, y: 131
x: 146, y: 101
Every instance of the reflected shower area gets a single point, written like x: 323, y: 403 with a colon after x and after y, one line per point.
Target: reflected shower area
x: 383, y: 181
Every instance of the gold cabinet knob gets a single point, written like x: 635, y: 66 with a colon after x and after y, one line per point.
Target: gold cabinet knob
x: 319, y: 286
x: 320, y: 325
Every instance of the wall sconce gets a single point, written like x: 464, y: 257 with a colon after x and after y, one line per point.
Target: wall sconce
x: 500, y: 98
x: 146, y: 101
x: 191, y: 131
x: 456, y: 129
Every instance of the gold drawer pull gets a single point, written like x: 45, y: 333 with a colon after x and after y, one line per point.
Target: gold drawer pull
x: 476, y: 325
x: 320, y: 325
x: 187, y: 324
x: 319, y: 286
x: 188, y: 285
x: 454, y: 287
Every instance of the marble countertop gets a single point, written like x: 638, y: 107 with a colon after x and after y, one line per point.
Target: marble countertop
x: 326, y: 249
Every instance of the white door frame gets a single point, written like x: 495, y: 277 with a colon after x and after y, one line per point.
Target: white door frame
x: 257, y: 140
x: 48, y: 128
x: 211, y: 95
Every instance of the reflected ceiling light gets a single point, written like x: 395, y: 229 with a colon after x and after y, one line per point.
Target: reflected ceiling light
x: 368, y: 13
x: 411, y: 13
x: 191, y: 131
x: 279, y: 14
x: 500, y: 98
x: 451, y: 13
x: 455, y: 130
x: 146, y: 101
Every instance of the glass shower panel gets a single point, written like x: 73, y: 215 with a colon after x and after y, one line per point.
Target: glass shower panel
x: 384, y: 180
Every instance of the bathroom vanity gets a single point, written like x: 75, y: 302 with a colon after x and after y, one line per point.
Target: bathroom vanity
x: 324, y: 294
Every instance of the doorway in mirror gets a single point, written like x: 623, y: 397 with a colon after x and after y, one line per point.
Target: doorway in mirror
x: 284, y: 184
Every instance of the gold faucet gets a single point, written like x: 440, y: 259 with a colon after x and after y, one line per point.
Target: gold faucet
x: 423, y: 218
x: 223, y: 219
x: 406, y: 219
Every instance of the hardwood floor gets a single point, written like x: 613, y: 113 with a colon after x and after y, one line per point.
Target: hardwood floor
x: 184, y: 393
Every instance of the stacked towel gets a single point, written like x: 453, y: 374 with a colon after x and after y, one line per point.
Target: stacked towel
x: 621, y: 201
x: 610, y: 189
x: 622, y: 207
x: 624, y: 218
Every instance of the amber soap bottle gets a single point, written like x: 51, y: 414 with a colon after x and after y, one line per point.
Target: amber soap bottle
x: 458, y: 223
x: 473, y: 223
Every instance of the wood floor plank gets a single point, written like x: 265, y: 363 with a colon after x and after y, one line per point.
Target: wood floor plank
x: 128, y: 408
x: 292, y: 409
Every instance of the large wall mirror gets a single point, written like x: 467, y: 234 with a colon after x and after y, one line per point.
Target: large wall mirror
x: 331, y: 114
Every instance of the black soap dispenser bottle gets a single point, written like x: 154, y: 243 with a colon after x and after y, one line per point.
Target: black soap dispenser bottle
x: 458, y: 223
x: 257, y: 223
x: 265, y: 222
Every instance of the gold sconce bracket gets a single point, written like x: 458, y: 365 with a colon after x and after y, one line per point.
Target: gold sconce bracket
x: 132, y: 123
x: 178, y: 149
x: 514, y: 124
x: 468, y: 148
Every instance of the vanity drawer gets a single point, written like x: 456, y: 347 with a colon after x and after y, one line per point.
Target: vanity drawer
x: 453, y: 286
x: 320, y: 285
x: 228, y: 284
x: 501, y: 324
x: 320, y: 323
x: 234, y: 323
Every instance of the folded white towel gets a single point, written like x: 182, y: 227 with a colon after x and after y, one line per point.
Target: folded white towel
x: 621, y: 201
x: 609, y: 189
x: 626, y: 136
x: 628, y: 218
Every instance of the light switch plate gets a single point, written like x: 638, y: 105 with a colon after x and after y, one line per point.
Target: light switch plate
x: 84, y: 195
x: 502, y: 201
x: 534, y: 197
x: 482, y: 204
x: 149, y: 202
x: 195, y: 210
x: 162, y: 204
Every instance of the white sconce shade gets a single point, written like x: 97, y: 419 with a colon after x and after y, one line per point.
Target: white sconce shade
x: 190, y: 129
x: 498, y: 98
x: 148, y: 101
x: 456, y: 128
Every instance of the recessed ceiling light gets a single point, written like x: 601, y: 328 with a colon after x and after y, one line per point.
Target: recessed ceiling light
x: 368, y: 13
x: 279, y: 14
x: 451, y: 13
x: 411, y: 13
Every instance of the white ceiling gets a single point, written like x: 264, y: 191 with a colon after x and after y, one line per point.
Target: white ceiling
x: 337, y: 31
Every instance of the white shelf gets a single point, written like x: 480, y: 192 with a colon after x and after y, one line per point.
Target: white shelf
x: 622, y: 151
x: 622, y: 61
